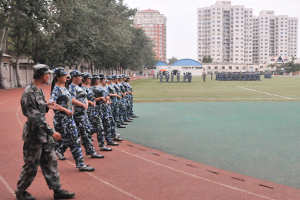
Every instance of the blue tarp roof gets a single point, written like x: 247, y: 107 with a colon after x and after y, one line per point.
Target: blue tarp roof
x: 186, y: 62
x: 161, y: 63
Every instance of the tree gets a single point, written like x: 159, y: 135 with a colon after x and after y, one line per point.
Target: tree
x: 172, y: 60
x: 207, y: 59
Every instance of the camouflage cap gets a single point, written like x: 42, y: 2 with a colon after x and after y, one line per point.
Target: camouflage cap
x: 42, y: 69
x: 114, y: 76
x: 128, y: 77
x: 95, y: 76
x: 119, y: 76
x: 86, y: 75
x: 75, y: 73
x: 101, y: 75
x: 109, y: 78
x: 59, y: 71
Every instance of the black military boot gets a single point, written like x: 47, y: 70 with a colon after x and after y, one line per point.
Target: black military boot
x: 127, y: 120
x: 111, y: 143
x: 134, y: 116
x: 86, y: 168
x: 60, y: 155
x: 117, y: 139
x: 96, y: 155
x: 121, y: 126
x: 104, y: 148
x: 123, y: 123
x: 63, y: 194
x: 24, y: 195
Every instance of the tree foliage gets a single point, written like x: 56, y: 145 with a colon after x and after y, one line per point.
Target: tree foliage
x: 73, y: 32
x: 172, y: 60
x: 207, y: 59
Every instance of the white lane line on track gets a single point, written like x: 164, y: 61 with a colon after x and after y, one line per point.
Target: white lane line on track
x: 204, y: 179
x: 106, y: 183
x: 209, y: 99
x: 264, y: 92
x: 7, y: 186
x: 92, y: 175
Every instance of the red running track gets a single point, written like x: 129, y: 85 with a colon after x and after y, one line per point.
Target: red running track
x: 130, y: 171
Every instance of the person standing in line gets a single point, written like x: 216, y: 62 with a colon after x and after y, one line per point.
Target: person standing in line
x: 172, y: 77
x: 130, y: 92
x: 167, y: 76
x: 204, y: 77
x: 98, y: 123
x: 184, y: 77
x: 38, y: 137
x: 153, y: 75
x: 178, y: 76
x: 79, y: 100
x: 161, y: 76
x: 116, y: 103
x: 63, y: 120
x: 157, y: 74
x: 211, y: 76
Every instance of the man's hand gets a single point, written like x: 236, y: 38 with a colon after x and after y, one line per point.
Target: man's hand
x: 56, y: 136
x: 53, y: 105
x: 69, y: 113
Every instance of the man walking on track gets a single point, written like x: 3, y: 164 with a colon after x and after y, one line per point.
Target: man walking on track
x: 38, y: 149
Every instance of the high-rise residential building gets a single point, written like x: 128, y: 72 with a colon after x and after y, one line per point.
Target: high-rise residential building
x: 232, y: 34
x: 155, y: 26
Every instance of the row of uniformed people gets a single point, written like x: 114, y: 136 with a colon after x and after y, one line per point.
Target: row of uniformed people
x: 187, y: 75
x: 89, y: 104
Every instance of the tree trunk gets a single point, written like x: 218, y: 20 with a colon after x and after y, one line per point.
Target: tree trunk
x: 18, y: 70
x: 5, y: 35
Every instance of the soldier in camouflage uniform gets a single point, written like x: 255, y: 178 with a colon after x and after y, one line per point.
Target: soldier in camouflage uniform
x: 63, y: 120
x: 79, y: 100
x: 184, y: 77
x: 172, y: 77
x: 161, y: 76
x: 101, y: 107
x: 111, y: 93
x: 178, y: 76
x: 116, y: 102
x: 38, y: 149
x: 126, y: 98
x: 130, y: 93
x: 123, y: 114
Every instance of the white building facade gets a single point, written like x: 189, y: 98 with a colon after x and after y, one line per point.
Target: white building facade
x: 155, y: 26
x: 232, y: 34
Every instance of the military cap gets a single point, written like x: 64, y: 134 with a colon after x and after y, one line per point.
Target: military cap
x: 128, y: 77
x: 86, y: 75
x: 109, y: 78
x: 119, y: 76
x: 59, y: 71
x: 123, y: 75
x: 42, y: 69
x: 101, y: 75
x: 95, y: 76
x: 75, y: 73
x: 114, y: 76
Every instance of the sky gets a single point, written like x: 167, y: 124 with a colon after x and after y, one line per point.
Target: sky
x: 182, y: 19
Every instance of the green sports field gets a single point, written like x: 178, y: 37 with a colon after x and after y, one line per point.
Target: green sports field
x: 279, y: 89
x: 250, y: 128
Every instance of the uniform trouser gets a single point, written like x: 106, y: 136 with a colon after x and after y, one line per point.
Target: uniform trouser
x: 84, y: 130
x: 36, y: 154
x: 131, y: 113
x: 67, y: 128
x: 178, y: 79
x: 107, y: 126
x: 97, y: 125
x: 115, y: 111
x: 122, y: 111
x: 112, y: 121
x: 204, y: 79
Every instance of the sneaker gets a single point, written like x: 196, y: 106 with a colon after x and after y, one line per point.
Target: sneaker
x: 60, y: 155
x: 86, y: 168
x: 24, y: 195
x: 63, y: 194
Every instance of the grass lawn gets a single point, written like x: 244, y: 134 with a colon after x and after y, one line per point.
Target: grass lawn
x: 279, y: 89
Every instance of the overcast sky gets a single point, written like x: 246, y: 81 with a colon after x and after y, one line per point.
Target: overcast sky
x: 182, y: 19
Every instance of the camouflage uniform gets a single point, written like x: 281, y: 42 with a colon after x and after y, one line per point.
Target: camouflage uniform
x: 122, y: 103
x: 178, y: 76
x: 39, y: 145
x: 65, y: 125
x: 131, y: 113
x: 90, y: 110
x: 116, y: 104
x: 101, y: 109
x: 112, y: 122
x: 81, y: 118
